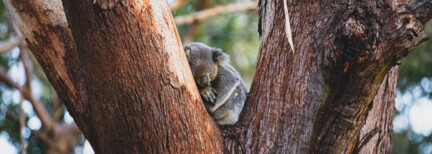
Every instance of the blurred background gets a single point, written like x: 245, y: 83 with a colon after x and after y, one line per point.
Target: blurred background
x: 227, y: 24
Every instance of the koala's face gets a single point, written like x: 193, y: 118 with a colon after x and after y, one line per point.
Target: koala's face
x: 202, y: 62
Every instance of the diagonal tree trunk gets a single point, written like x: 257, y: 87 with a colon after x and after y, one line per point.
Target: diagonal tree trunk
x: 124, y: 76
x: 121, y: 70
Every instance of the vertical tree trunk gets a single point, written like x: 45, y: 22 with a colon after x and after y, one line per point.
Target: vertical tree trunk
x: 317, y: 98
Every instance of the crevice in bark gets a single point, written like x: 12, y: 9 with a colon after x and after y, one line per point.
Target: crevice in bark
x: 354, y: 45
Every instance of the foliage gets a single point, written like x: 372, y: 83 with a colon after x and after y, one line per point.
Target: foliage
x: 414, y: 76
x: 417, y: 65
x: 235, y: 33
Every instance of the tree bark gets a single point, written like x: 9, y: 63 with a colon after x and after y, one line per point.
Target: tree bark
x: 124, y: 75
x: 317, y: 99
x: 131, y: 52
x: 375, y: 136
x: 121, y: 70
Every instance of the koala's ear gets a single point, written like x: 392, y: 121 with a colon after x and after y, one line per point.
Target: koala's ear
x: 187, y: 50
x: 219, y: 56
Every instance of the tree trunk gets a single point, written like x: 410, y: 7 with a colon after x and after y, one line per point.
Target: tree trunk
x: 375, y: 136
x: 122, y: 72
x: 317, y: 99
x: 124, y: 79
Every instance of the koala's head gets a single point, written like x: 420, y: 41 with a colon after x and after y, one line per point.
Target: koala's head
x: 204, y: 62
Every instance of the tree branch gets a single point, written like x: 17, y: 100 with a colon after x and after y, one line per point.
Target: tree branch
x: 67, y: 128
x: 11, y: 116
x: 48, y: 141
x: 192, y: 28
x: 15, y: 40
x: 15, y: 118
x: 422, y: 10
x: 29, y: 73
x: 39, y: 109
x: 177, y: 4
x: 58, y: 109
x: 201, y: 15
x: 22, y: 123
x: 47, y: 19
x: 10, y: 43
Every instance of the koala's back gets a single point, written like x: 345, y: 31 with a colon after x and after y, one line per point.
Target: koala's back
x: 228, y: 82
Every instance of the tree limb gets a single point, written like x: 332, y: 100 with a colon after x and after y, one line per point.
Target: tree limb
x: 48, y: 141
x: 10, y: 43
x: 422, y: 10
x: 44, y: 25
x: 177, y: 4
x: 201, y: 15
x: 39, y: 109
x: 11, y: 116
x: 29, y: 73
x: 22, y: 123
x: 15, y: 118
x: 14, y: 41
x: 58, y: 109
x: 69, y: 128
x: 192, y: 28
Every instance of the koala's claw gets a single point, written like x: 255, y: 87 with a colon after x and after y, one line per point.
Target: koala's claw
x: 214, y: 92
x: 209, y: 94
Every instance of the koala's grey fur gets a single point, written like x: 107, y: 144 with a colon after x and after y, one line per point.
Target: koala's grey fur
x: 221, y: 86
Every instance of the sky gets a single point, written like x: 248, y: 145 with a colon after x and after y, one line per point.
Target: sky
x: 416, y: 109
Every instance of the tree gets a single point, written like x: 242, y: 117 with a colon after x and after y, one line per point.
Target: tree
x: 54, y: 136
x: 120, y: 69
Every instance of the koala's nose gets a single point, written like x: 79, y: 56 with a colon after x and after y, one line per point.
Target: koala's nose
x: 205, y: 81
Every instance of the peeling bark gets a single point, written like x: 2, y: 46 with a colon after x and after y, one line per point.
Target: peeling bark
x: 375, y: 136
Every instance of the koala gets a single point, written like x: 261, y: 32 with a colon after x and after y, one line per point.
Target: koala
x: 220, y: 85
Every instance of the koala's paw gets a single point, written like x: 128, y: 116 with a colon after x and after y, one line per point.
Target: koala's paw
x: 209, y: 94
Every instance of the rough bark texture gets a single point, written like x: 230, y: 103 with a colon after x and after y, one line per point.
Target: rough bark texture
x: 375, y: 136
x: 134, y: 66
x: 124, y: 80
x: 317, y: 99
x: 45, y: 28
x: 121, y: 71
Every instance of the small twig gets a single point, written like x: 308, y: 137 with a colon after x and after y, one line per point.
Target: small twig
x: 48, y: 141
x: 177, y: 4
x: 22, y: 123
x: 29, y: 73
x: 192, y: 28
x: 15, y: 40
x: 58, y: 109
x: 201, y: 15
x: 11, y: 116
x: 9, y: 44
x: 37, y: 105
x: 39, y: 109
x: 40, y: 135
